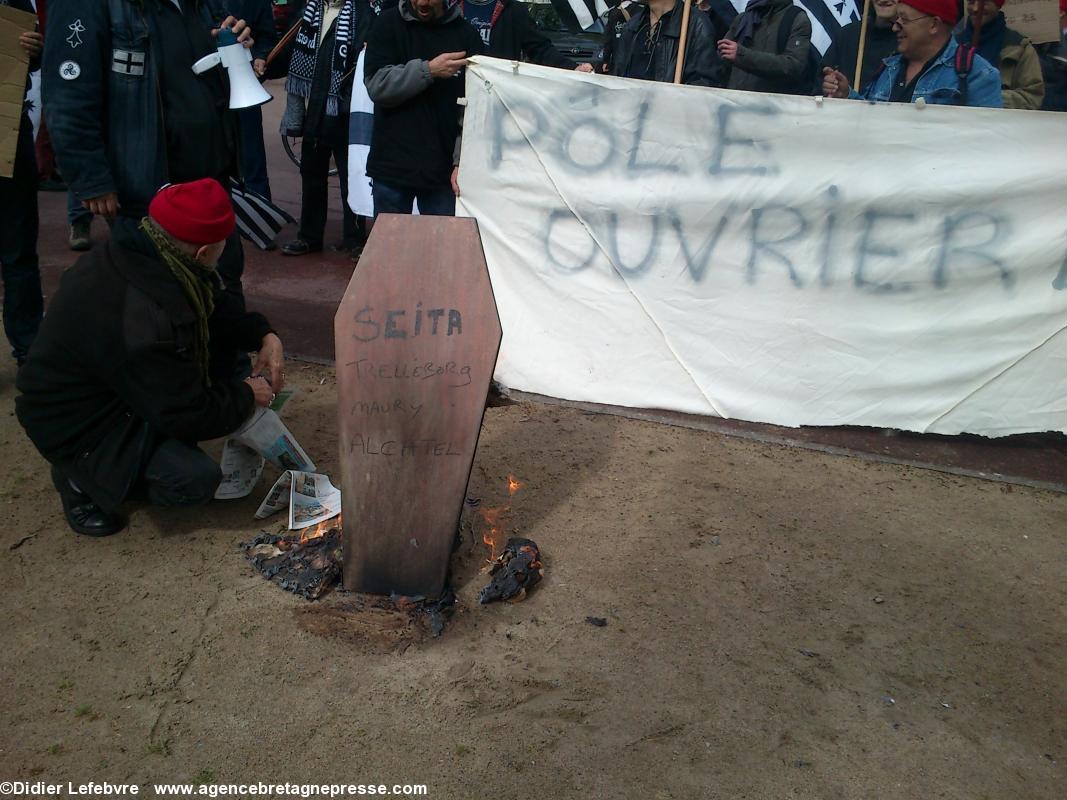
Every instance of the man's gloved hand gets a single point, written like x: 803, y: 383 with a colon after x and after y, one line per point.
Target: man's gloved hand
x: 270, y: 362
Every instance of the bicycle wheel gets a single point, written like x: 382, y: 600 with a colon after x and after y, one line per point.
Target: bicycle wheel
x: 292, y: 149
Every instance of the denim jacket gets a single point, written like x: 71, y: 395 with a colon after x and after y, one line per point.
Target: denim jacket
x: 102, y: 99
x: 939, y: 84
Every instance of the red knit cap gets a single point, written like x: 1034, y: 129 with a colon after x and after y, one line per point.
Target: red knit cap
x: 197, y: 213
x: 945, y: 10
x: 1063, y: 6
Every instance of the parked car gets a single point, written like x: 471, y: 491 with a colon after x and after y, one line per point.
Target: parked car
x: 575, y: 44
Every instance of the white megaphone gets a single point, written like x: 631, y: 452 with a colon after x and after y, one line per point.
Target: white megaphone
x: 245, y: 89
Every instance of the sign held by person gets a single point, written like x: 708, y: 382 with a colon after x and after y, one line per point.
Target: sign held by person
x: 14, y: 63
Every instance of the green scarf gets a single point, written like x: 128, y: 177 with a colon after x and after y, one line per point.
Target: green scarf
x: 197, y: 281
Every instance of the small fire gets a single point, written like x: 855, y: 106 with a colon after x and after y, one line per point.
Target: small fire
x: 319, y: 530
x: 494, y: 537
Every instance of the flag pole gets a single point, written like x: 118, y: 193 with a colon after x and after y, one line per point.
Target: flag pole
x: 688, y: 6
x: 863, y: 43
x: 278, y: 48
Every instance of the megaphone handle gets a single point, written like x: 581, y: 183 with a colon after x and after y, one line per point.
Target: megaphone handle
x: 207, y: 62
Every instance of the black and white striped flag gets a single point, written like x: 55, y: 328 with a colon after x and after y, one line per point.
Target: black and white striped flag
x: 585, y: 15
x: 258, y: 219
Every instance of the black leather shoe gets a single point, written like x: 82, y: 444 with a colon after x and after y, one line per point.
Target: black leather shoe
x: 298, y: 247
x: 83, y: 515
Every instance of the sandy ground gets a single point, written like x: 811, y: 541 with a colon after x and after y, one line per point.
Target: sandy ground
x: 780, y: 624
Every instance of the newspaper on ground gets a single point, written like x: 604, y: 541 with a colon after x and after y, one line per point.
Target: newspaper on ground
x: 311, y: 499
x: 242, y: 455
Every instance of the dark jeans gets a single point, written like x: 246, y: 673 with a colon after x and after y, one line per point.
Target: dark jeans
x: 23, y: 302
x: 178, y: 474
x: 76, y: 212
x: 398, y: 200
x: 253, y: 153
x: 314, y: 179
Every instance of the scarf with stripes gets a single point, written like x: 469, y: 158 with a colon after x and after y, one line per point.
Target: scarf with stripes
x: 198, y: 284
x: 306, y: 51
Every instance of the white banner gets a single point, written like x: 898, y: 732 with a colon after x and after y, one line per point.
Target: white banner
x: 777, y: 259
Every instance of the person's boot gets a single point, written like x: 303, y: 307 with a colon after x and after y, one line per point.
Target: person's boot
x: 299, y: 247
x: 79, y: 236
x: 83, y: 515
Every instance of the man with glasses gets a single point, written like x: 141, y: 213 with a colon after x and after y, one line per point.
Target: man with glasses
x: 926, y: 66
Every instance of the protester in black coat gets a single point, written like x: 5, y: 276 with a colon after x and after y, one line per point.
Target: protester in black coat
x: 260, y: 18
x: 508, y: 32
x: 1053, y: 57
x: 319, y: 87
x: 125, y: 111
x: 616, y: 21
x: 416, y: 55
x: 648, y: 46
x: 124, y: 378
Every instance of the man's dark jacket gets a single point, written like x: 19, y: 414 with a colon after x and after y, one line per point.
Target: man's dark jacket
x: 514, y: 36
x: 1054, y: 70
x: 701, y: 59
x: 107, y: 125
x: 112, y: 371
x: 416, y: 117
x: 759, y: 66
x: 259, y: 14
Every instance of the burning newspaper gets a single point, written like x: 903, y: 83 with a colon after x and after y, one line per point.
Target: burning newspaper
x: 263, y: 435
x: 311, y: 499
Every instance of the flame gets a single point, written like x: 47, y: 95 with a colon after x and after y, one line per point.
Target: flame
x: 319, y: 530
x: 494, y: 536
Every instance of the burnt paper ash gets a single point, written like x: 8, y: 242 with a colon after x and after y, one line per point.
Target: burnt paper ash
x: 513, y: 572
x: 377, y: 623
x: 435, y: 614
x: 307, y: 567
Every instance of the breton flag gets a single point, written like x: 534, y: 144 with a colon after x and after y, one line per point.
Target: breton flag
x: 585, y: 15
x: 258, y: 219
x: 360, y: 125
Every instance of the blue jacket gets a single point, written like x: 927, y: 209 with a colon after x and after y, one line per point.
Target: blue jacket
x: 104, y: 118
x: 939, y: 84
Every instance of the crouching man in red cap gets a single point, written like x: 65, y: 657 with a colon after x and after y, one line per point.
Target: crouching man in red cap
x: 929, y: 65
x: 136, y: 361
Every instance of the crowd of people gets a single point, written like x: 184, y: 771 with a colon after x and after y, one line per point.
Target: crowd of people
x: 121, y: 410
x: 936, y: 50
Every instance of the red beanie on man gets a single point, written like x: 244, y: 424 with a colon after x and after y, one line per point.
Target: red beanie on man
x: 1063, y: 6
x: 198, y: 213
x: 945, y: 10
